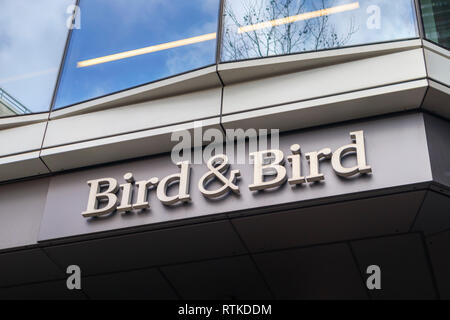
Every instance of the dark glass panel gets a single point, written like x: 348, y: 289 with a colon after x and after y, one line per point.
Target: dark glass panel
x: 436, y: 21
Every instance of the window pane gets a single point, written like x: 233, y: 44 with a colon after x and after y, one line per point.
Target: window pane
x: 260, y: 28
x: 32, y: 39
x: 436, y: 21
x: 126, y: 43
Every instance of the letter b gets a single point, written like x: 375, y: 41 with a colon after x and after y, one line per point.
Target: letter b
x: 259, y: 170
x: 95, y: 196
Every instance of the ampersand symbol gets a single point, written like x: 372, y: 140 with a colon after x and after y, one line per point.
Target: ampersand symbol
x: 218, y: 165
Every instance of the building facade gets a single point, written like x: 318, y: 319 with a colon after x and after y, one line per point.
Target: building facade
x: 292, y: 149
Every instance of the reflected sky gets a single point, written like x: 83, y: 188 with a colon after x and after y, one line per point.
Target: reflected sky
x: 111, y: 27
x: 32, y: 40
x: 359, y: 22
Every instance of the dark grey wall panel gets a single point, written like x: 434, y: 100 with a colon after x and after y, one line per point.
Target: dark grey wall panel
x: 26, y: 266
x: 330, y: 223
x: 138, y: 284
x: 439, y: 248
x: 438, y: 138
x: 321, y: 272
x: 405, y: 273
x: 434, y: 215
x: 234, y: 278
x: 396, y: 149
x: 145, y: 249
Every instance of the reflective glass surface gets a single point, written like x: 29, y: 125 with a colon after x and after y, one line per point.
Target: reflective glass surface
x: 32, y: 39
x: 125, y: 43
x: 436, y: 21
x: 261, y: 28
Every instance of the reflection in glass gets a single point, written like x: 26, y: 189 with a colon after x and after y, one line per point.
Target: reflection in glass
x: 260, y: 28
x: 32, y: 39
x: 436, y: 21
x: 123, y: 44
x: 9, y: 106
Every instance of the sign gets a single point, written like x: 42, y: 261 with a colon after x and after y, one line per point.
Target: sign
x: 308, y: 167
x: 265, y: 176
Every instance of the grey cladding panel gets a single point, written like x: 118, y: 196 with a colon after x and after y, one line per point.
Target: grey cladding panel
x: 395, y: 149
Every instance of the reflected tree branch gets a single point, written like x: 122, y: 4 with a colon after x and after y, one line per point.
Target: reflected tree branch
x: 307, y: 35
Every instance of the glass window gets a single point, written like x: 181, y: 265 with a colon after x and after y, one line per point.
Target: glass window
x: 32, y: 39
x: 261, y: 28
x: 436, y: 21
x: 125, y: 43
